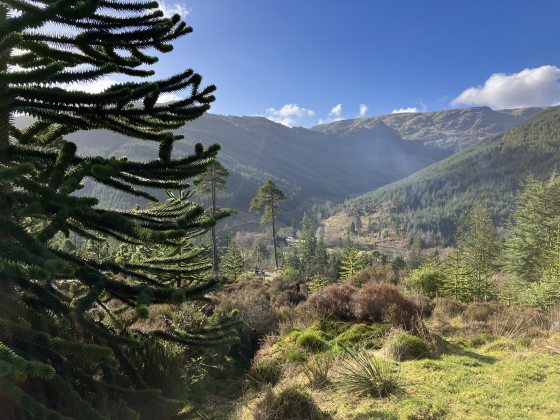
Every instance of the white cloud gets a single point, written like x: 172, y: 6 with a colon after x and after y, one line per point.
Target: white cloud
x: 289, y: 114
x: 176, y: 8
x: 363, y: 110
x: 404, y: 110
x: 168, y: 97
x: 530, y: 87
x: 336, y: 112
x: 96, y: 86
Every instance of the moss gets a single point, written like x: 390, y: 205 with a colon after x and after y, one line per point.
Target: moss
x: 480, y: 340
x: 313, y: 341
x: 364, y: 335
x: 407, y: 347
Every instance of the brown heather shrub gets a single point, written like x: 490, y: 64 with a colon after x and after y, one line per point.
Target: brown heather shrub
x: 379, y: 302
x: 481, y: 311
x: 448, y: 308
x: 285, y: 291
x: 334, y: 300
x: 250, y: 298
x: 519, y: 322
x: 372, y: 274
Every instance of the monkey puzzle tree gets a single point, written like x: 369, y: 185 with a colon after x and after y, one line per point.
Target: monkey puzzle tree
x: 56, y: 359
x: 210, y: 183
x: 267, y: 200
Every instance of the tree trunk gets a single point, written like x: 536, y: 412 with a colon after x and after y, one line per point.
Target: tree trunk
x: 215, y: 257
x: 274, y: 237
x: 4, y: 105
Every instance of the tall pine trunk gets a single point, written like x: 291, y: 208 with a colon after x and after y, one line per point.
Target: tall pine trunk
x: 215, y: 257
x: 274, y: 237
x: 4, y: 104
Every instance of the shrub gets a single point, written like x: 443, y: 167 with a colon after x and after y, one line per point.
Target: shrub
x: 291, y: 403
x: 402, y: 347
x: 479, y: 311
x: 426, y: 280
x: 363, y: 374
x: 377, y: 302
x: 364, y: 335
x: 266, y: 371
x: 317, y: 371
x: 448, y: 308
x: 372, y: 274
x: 285, y: 291
x: 250, y: 299
x: 334, y: 300
x: 312, y: 341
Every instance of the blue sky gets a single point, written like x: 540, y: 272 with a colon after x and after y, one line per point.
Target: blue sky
x: 295, y: 61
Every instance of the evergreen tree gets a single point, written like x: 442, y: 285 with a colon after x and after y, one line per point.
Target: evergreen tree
x: 233, y: 263
x: 534, y: 222
x: 267, y: 201
x: 57, y: 360
x: 456, y: 284
x: 550, y: 272
x: 478, y: 240
x: 210, y: 183
x: 321, y: 257
x: 351, y: 263
x: 308, y: 245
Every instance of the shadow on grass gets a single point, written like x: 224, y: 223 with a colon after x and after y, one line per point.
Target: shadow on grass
x: 455, y: 349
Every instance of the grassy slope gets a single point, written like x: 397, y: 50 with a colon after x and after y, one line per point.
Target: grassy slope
x: 502, y: 379
x: 491, y: 172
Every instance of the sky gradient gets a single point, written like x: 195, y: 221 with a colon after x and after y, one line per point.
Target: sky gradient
x: 326, y: 58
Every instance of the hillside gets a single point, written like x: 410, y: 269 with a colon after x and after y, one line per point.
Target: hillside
x: 310, y: 166
x: 450, y: 129
x: 491, y: 171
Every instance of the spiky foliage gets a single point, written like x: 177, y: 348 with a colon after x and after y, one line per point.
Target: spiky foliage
x: 267, y: 201
x: 352, y: 262
x: 210, y: 183
x: 456, y: 284
x: 57, y: 360
x: 233, y: 262
x: 477, y: 238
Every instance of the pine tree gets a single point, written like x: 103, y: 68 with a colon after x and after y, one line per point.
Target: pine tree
x: 535, y: 220
x: 308, y: 246
x: 233, y: 263
x: 550, y: 272
x: 210, y: 183
x: 57, y: 360
x: 351, y: 263
x: 267, y: 200
x: 456, y: 285
x: 478, y: 240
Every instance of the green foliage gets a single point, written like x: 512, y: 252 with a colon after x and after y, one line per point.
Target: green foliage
x: 426, y: 280
x: 267, y: 201
x: 456, y: 284
x: 477, y: 239
x: 64, y: 310
x: 317, y: 370
x: 312, y: 340
x: 402, y: 347
x: 369, y: 336
x: 352, y: 262
x: 535, y: 222
x: 233, y: 262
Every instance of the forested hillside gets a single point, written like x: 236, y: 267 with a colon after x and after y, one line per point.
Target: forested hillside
x: 302, y: 162
x: 491, y: 172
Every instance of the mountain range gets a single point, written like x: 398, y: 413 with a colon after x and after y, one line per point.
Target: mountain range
x: 327, y: 163
x: 490, y: 171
